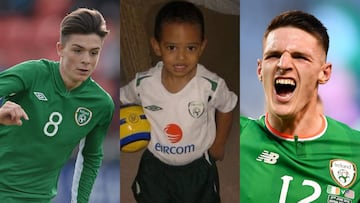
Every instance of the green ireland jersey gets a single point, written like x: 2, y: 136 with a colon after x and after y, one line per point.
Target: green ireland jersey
x: 323, y: 168
x: 32, y: 155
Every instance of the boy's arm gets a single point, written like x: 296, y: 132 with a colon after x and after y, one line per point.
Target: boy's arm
x: 223, y: 127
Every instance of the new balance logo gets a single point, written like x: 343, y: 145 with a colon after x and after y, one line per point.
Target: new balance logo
x: 268, y: 157
x: 40, y: 96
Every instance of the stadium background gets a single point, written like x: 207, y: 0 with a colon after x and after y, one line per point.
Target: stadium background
x: 341, y: 95
x: 29, y: 29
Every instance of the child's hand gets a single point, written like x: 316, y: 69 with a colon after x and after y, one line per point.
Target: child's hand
x: 11, y: 114
x: 217, y: 152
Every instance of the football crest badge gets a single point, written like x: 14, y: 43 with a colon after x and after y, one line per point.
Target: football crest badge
x: 82, y: 116
x: 196, y: 109
x: 343, y: 172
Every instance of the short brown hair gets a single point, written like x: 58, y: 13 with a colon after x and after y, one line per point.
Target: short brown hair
x: 303, y: 21
x: 83, y: 21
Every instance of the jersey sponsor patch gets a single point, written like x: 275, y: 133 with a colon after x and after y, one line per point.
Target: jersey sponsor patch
x: 82, y: 116
x: 338, y: 193
x: 173, y: 132
x: 268, y: 157
x: 41, y: 96
x: 196, y: 109
x: 166, y: 149
x: 343, y: 172
x: 337, y: 199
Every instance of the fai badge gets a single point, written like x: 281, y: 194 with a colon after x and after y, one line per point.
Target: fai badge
x: 82, y: 116
x: 196, y: 109
x: 343, y: 172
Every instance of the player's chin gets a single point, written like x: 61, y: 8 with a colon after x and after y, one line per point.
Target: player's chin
x: 181, y: 73
x: 81, y: 79
x: 84, y: 75
x: 284, y: 112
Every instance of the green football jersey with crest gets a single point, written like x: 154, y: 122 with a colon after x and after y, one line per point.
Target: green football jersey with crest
x: 32, y: 155
x: 323, y: 168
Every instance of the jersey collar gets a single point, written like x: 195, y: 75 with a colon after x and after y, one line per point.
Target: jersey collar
x: 291, y: 137
x: 61, y: 85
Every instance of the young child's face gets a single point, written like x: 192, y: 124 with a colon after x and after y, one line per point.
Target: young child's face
x: 180, y: 48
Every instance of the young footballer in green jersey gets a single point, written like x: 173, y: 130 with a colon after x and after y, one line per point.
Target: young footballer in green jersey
x: 50, y: 107
x: 294, y: 153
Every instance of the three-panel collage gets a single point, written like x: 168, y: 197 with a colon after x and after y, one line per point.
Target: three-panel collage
x: 179, y: 101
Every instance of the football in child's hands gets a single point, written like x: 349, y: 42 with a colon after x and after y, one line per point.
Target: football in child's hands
x: 134, y: 128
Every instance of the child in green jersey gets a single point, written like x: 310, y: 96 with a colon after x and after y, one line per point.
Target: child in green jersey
x: 50, y: 108
x: 294, y: 153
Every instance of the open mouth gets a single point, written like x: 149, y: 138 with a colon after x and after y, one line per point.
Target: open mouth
x: 284, y: 87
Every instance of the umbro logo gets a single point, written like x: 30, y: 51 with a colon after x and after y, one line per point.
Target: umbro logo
x: 153, y: 108
x: 268, y: 157
x: 40, y: 96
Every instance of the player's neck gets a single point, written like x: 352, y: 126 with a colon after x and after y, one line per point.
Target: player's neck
x: 304, y: 128
x: 174, y: 83
x: 68, y: 82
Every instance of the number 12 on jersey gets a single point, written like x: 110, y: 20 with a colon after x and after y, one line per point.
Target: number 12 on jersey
x: 286, y: 180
